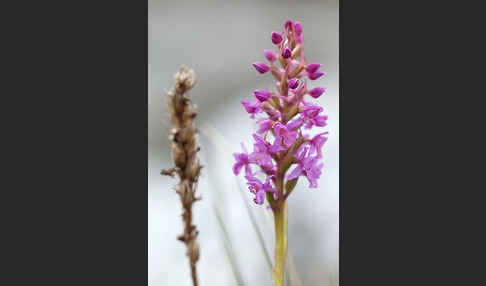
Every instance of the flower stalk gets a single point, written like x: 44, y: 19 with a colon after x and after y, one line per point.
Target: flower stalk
x: 288, y: 115
x: 280, y: 220
x: 184, y: 151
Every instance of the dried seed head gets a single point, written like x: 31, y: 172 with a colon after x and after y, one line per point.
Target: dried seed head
x: 184, y: 79
x: 193, y: 170
x: 179, y: 156
x: 187, y: 194
x: 169, y: 172
x: 184, y: 150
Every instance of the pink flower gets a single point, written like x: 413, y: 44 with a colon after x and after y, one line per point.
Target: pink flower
x: 316, y: 144
x: 265, y: 125
x: 312, y: 117
x: 309, y: 167
x: 289, y: 137
x: 284, y: 120
x: 259, y: 189
x: 261, y: 154
x: 242, y: 159
x: 252, y: 107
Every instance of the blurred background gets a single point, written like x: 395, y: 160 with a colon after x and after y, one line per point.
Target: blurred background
x: 219, y: 40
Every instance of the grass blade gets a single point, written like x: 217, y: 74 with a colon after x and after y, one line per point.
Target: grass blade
x: 228, y: 248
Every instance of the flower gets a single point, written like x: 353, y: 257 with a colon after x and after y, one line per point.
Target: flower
x: 289, y: 137
x: 309, y: 167
x: 311, y: 116
x: 252, y: 107
x: 261, y: 155
x: 316, y: 144
x: 258, y: 188
x: 282, y: 141
x: 265, y: 125
x: 242, y: 159
x: 296, y: 123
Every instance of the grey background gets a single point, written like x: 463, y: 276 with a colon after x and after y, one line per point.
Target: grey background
x: 220, y: 40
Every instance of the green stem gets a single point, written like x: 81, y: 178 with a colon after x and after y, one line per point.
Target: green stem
x: 280, y: 218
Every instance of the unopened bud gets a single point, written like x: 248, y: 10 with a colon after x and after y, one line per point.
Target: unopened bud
x: 286, y: 53
x: 298, y: 28
x: 300, y: 39
x: 316, y: 92
x: 293, y: 83
x: 270, y: 55
x: 288, y: 25
x: 315, y: 75
x: 260, y: 67
x: 261, y: 95
x: 311, y: 68
x: 276, y: 38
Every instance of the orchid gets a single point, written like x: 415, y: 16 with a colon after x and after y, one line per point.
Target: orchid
x: 242, y: 159
x: 284, y: 141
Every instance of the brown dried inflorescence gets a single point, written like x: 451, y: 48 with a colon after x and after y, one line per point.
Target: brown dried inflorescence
x: 184, y: 151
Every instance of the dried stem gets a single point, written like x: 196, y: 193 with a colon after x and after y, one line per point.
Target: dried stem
x: 184, y: 150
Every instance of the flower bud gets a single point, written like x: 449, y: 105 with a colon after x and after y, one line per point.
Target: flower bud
x: 315, y: 75
x: 261, y: 95
x: 286, y: 53
x: 311, y: 68
x: 270, y: 55
x: 300, y: 39
x: 276, y: 38
x: 294, y: 83
x: 316, y: 92
x: 298, y: 28
x: 288, y: 25
x: 260, y: 67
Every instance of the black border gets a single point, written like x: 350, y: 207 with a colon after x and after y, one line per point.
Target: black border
x: 75, y: 200
x: 77, y: 158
